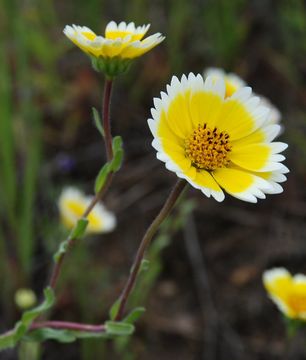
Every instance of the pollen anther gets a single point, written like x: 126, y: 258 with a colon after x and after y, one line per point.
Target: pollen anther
x: 208, y: 149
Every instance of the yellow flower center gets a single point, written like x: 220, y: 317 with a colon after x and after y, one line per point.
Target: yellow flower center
x: 297, y: 302
x: 208, y: 149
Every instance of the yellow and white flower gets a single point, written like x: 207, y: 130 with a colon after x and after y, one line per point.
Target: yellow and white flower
x: 215, y: 142
x: 233, y: 82
x: 287, y: 292
x: 121, y: 43
x: 72, y: 204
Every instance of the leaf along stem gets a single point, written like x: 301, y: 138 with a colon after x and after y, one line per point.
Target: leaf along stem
x: 109, y: 154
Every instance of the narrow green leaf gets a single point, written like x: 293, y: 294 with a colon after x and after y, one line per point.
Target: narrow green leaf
x: 79, y: 230
x: 12, y: 337
x: 66, y: 336
x: 144, y: 265
x: 43, y: 334
x: 7, y: 340
x: 30, y: 315
x: 114, y: 309
x: 134, y: 315
x: 119, y: 328
x: 63, y: 336
x: 117, y: 143
x: 61, y: 250
x: 117, y: 160
x: 98, y: 121
x: 101, y: 178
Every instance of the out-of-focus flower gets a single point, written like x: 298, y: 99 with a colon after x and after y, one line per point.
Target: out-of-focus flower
x: 113, y: 52
x: 215, y: 142
x: 287, y: 292
x: 233, y: 82
x: 25, y: 298
x: 72, y: 204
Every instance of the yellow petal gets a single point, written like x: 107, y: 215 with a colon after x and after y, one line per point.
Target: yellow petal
x: 164, y: 131
x: 256, y: 137
x: 113, y: 35
x: 232, y: 180
x: 204, y: 179
x: 278, y: 282
x: 176, y: 154
x: 205, y: 108
x: 178, y: 116
x: 235, y: 119
x: 251, y: 157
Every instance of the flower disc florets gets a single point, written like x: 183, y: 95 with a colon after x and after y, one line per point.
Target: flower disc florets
x: 208, y: 149
x: 215, y: 141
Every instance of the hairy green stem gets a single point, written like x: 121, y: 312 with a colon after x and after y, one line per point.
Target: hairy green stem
x: 145, y: 242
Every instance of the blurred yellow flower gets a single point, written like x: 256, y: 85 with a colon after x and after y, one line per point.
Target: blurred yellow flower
x: 113, y: 52
x: 72, y: 204
x: 287, y: 292
x: 233, y: 82
x: 25, y: 298
x: 215, y: 142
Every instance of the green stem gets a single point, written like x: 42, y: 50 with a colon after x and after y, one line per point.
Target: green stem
x: 145, y: 242
x: 106, y: 118
x: 58, y: 265
x: 109, y: 154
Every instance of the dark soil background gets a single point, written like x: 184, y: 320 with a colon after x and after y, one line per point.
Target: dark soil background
x: 208, y: 301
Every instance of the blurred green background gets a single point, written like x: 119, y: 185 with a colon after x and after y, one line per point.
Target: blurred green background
x: 203, y: 290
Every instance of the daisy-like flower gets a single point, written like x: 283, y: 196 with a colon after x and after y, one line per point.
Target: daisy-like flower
x: 287, y: 292
x: 113, y: 52
x: 215, y: 142
x: 72, y: 204
x: 233, y: 82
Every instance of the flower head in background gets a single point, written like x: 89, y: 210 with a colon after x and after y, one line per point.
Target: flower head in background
x: 215, y: 142
x: 72, y: 204
x: 113, y: 52
x: 25, y: 298
x: 287, y: 292
x: 233, y: 82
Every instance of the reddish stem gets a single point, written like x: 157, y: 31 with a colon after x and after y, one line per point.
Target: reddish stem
x: 106, y: 118
x: 67, y: 325
x: 145, y: 242
x: 109, y: 154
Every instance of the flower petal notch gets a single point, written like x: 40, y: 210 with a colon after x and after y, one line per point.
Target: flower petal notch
x: 113, y: 52
x: 72, y: 204
x: 217, y: 143
x: 287, y: 292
